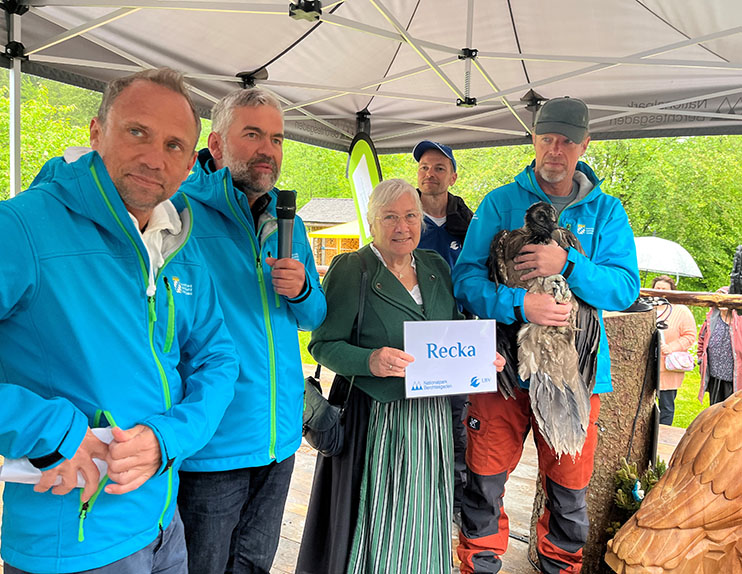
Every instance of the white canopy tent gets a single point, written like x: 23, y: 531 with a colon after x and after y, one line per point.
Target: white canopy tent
x: 469, y: 73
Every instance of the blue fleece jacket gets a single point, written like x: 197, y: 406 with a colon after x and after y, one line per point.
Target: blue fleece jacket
x: 263, y: 423
x: 606, y: 277
x: 83, y: 345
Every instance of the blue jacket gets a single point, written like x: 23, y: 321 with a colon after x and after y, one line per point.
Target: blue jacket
x: 264, y: 421
x: 606, y: 277
x: 447, y: 239
x: 83, y: 345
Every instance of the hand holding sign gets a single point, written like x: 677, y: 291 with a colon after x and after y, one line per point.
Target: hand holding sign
x: 389, y: 362
x: 499, y: 362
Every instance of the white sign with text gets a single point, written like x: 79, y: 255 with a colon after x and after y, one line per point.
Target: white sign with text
x: 451, y: 358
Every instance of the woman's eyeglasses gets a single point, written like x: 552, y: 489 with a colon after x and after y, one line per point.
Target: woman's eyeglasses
x: 392, y: 219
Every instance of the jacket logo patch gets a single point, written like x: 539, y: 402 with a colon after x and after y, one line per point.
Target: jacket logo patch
x: 582, y: 229
x: 455, y: 246
x: 182, y: 288
x: 472, y: 423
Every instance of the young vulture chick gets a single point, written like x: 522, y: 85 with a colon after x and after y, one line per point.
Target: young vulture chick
x: 560, y: 362
x: 691, y: 521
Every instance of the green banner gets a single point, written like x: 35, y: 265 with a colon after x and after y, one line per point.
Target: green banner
x: 364, y: 174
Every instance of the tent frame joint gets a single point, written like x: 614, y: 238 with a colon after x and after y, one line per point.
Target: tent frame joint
x: 15, y: 50
x: 467, y: 102
x: 468, y: 54
x: 15, y: 7
x: 310, y: 10
x: 363, y: 122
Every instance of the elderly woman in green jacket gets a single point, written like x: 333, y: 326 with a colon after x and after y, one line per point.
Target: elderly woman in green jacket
x: 385, y: 504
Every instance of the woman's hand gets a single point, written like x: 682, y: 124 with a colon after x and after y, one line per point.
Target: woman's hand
x: 499, y: 362
x: 665, y: 349
x: 389, y: 362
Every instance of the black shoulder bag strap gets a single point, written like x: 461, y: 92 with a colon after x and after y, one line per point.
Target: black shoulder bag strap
x: 359, y: 321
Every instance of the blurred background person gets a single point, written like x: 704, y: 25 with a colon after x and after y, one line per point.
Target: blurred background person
x: 720, y: 353
x: 384, y: 504
x: 680, y: 335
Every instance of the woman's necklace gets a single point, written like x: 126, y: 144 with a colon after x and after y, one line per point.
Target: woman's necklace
x: 400, y: 274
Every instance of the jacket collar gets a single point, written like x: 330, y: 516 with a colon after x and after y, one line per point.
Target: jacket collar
x: 589, y: 182
x: 387, y: 286
x: 85, y: 187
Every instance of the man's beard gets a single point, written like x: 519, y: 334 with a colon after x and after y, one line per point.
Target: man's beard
x: 247, y: 179
x: 552, y: 176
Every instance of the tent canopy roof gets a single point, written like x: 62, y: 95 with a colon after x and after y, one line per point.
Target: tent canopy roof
x: 645, y: 67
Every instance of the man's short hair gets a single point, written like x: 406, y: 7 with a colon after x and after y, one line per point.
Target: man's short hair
x: 221, y: 113
x: 165, y: 77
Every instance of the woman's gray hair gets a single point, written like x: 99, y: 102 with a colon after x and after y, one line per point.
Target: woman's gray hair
x: 221, y: 113
x: 165, y: 77
x: 387, y: 192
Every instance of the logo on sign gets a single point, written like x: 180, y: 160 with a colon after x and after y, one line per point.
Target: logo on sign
x: 476, y: 381
x: 417, y: 387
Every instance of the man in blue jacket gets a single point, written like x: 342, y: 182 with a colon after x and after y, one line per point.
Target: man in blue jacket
x: 102, y: 295
x: 446, y: 219
x: 606, y: 277
x: 234, y: 490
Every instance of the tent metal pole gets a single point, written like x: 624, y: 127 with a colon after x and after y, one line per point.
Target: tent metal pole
x: 14, y: 35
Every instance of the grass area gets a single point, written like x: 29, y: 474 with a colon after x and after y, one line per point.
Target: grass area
x: 687, y: 406
x: 306, y: 358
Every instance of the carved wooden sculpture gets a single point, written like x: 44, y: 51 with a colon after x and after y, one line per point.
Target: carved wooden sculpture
x: 691, y: 521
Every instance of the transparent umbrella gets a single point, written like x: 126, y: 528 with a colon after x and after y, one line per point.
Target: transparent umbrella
x: 663, y: 256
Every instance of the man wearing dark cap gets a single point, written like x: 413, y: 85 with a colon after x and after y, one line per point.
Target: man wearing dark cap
x: 446, y: 220
x: 606, y: 277
x: 446, y: 215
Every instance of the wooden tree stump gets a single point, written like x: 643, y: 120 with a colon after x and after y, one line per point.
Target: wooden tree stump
x: 629, y: 340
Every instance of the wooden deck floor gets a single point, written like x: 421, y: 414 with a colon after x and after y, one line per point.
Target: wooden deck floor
x: 518, y: 502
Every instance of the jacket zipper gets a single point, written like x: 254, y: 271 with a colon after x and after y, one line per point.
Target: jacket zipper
x: 152, y: 318
x: 86, y: 507
x: 266, y: 318
x: 170, y: 317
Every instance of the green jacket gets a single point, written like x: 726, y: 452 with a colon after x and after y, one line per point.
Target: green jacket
x: 388, y: 305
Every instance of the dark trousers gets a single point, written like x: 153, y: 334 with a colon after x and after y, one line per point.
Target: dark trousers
x: 458, y: 412
x: 233, y: 518
x: 719, y: 390
x: 164, y: 555
x: 667, y: 406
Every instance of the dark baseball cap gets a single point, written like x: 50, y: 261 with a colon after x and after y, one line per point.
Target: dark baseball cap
x: 566, y: 116
x: 425, y: 145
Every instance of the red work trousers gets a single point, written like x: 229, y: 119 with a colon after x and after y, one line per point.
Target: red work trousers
x: 497, y: 428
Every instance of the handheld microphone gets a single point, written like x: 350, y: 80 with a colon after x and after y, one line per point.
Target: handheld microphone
x: 285, y: 211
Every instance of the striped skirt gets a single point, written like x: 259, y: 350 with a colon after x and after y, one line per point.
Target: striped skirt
x: 406, y: 503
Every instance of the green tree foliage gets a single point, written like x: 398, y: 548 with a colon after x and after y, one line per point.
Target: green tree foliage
x: 47, y: 129
x: 687, y: 190
x: 313, y: 172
